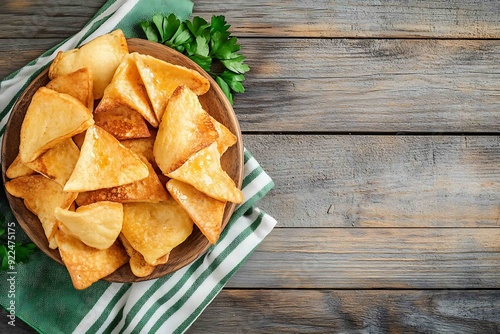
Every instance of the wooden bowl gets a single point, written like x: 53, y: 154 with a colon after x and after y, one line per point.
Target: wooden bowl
x: 214, y: 101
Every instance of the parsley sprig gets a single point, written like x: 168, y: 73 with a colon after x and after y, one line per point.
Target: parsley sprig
x: 12, y: 252
x: 210, y: 45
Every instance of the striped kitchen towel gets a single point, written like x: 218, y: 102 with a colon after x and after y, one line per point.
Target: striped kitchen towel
x: 43, y: 294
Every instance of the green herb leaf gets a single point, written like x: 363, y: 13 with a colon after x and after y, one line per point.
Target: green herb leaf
x: 159, y: 22
x: 204, y: 62
x: 218, y: 23
x: 171, y: 26
x: 197, y: 25
x: 210, y: 45
x: 149, y: 31
x: 21, y: 251
x: 234, y: 81
x: 225, y: 88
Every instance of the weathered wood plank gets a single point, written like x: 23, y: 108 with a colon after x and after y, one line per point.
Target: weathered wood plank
x: 374, y: 258
x: 330, y: 311
x: 381, y: 181
x: 18, y: 52
x: 325, y: 18
x: 373, y: 311
x: 354, y: 18
x: 354, y: 85
x: 31, y: 19
x: 371, y: 85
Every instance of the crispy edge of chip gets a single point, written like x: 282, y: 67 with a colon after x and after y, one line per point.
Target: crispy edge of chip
x: 203, y: 165
x: 54, y: 66
x: 89, y: 163
x: 226, y: 138
x: 156, y: 192
x: 71, y: 84
x: 86, y: 265
x: 160, y: 87
x: 57, y: 163
x: 206, y: 212
x: 121, y: 120
x: 30, y: 122
x: 201, y: 131
x: 138, y: 265
x: 17, y: 169
x: 30, y: 185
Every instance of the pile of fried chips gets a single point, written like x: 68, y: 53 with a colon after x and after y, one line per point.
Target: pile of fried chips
x: 126, y: 180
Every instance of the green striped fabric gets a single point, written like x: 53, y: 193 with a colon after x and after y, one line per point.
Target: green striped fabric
x: 44, y: 295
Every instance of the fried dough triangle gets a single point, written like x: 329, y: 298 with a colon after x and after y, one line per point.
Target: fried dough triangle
x: 226, y: 137
x: 86, y: 265
x: 149, y: 189
x: 205, y: 211
x: 127, y: 88
x: 104, y: 163
x: 17, y: 169
x: 58, y: 162
x: 78, y: 84
x: 162, y: 78
x: 96, y: 225
x: 51, y: 118
x: 184, y: 130
x: 138, y: 265
x: 102, y: 56
x: 41, y: 196
x: 204, y: 172
x: 120, y: 120
x: 154, y: 229
x: 143, y: 146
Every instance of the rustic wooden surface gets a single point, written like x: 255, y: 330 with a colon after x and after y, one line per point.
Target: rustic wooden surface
x: 380, y: 125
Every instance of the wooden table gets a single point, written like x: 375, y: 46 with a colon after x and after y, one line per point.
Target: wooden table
x: 380, y: 123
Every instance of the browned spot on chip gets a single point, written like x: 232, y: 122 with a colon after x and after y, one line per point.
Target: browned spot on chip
x: 104, y: 163
x: 78, y: 84
x: 149, y: 189
x: 120, y: 120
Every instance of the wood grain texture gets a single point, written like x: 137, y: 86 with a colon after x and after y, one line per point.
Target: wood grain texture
x: 353, y: 18
x: 331, y: 311
x: 349, y: 85
x: 32, y: 19
x: 360, y: 311
x: 369, y: 258
x: 265, y: 18
x: 381, y: 181
x: 19, y: 52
